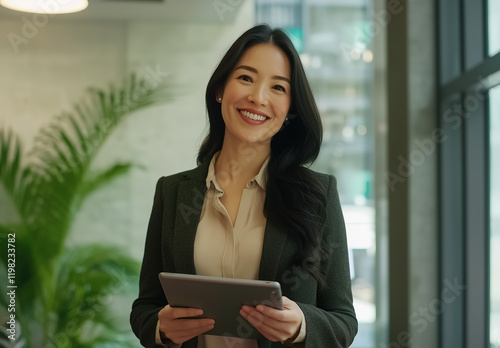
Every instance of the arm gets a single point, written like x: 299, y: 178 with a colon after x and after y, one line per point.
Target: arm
x: 329, y: 315
x: 152, y: 320
x: 332, y: 321
x: 151, y: 300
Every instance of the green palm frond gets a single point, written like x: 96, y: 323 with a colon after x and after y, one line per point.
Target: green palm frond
x: 10, y: 157
x: 47, y: 187
x: 13, y: 178
x: 90, y: 275
x: 61, y: 159
x: 94, y: 181
x: 25, y: 264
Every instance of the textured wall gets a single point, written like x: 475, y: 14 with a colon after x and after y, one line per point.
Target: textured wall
x: 49, y: 70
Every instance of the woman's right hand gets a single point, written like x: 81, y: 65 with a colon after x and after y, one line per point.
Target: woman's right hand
x: 176, y: 325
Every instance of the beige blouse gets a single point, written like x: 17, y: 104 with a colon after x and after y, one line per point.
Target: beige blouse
x: 222, y: 250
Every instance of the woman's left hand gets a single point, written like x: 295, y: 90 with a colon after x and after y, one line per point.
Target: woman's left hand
x: 274, y: 324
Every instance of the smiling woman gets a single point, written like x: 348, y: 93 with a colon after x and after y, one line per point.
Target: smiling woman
x: 256, y: 98
x: 263, y: 215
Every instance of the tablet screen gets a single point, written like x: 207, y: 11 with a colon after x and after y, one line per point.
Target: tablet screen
x: 221, y: 299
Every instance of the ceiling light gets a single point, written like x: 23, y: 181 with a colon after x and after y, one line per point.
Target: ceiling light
x: 367, y: 56
x: 46, y: 6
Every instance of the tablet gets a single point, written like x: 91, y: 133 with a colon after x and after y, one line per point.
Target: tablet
x: 221, y: 299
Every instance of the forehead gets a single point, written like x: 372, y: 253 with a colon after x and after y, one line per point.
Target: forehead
x: 266, y: 58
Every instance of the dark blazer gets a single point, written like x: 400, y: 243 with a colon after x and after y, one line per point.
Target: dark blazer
x: 329, y: 314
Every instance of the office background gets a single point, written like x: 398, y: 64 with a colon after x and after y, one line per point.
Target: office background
x: 408, y: 92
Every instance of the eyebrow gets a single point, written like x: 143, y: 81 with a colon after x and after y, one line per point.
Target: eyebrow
x: 275, y: 77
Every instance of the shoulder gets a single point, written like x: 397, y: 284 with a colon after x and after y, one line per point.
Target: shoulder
x: 171, y: 182
x: 328, y: 181
x: 178, y: 177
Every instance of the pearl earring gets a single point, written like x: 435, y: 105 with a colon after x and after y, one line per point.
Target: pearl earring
x: 220, y: 99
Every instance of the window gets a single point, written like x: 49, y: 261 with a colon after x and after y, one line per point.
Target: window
x: 469, y: 33
x: 494, y: 27
x: 334, y: 39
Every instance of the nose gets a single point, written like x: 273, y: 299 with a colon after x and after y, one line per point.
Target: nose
x: 258, y: 95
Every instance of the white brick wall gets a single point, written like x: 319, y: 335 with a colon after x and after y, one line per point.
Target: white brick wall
x: 51, y: 71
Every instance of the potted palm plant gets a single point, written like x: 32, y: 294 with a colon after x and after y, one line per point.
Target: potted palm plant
x: 59, y: 294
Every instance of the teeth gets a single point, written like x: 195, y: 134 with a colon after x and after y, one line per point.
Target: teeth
x: 253, y: 116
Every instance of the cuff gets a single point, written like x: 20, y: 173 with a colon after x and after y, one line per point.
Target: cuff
x: 157, y: 335
x: 164, y: 343
x: 302, y: 332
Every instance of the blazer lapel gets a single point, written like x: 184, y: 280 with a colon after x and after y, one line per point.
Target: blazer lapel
x: 190, y: 198
x: 274, y: 241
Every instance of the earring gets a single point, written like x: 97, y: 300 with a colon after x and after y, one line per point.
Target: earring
x: 286, y: 119
x: 220, y: 99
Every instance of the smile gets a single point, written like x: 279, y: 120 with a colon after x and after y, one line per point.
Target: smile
x: 251, y: 116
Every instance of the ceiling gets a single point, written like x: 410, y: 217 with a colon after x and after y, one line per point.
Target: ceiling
x: 204, y: 11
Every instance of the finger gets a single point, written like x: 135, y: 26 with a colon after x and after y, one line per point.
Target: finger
x: 181, y: 336
x: 277, y: 315
x: 257, y: 320
x: 261, y: 318
x: 274, y: 333
x: 287, y: 303
x: 186, y: 324
x: 290, y: 311
x: 271, y: 328
x: 176, y: 312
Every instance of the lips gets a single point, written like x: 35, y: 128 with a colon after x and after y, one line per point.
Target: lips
x: 252, y: 116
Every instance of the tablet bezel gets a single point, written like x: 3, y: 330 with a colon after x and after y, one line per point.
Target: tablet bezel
x: 221, y: 299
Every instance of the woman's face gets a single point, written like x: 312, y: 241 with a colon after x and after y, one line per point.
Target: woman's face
x: 256, y: 97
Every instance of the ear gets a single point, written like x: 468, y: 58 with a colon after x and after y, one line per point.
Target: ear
x: 218, y: 95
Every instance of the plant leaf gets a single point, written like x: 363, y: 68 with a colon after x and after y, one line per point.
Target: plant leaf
x: 48, y: 186
x: 90, y: 276
x: 10, y: 174
x: 94, y: 181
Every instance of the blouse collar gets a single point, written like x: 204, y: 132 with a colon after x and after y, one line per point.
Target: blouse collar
x: 260, y: 178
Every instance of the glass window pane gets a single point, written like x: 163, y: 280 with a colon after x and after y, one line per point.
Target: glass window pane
x: 334, y: 39
x: 338, y: 60
x: 495, y: 217
x: 494, y: 26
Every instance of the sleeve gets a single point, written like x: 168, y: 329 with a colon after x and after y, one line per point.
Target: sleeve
x: 302, y: 332
x: 165, y: 343
x: 332, y: 321
x: 151, y: 299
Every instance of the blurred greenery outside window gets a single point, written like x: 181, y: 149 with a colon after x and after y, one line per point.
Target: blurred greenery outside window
x: 334, y: 40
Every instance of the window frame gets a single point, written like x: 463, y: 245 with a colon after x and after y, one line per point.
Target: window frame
x: 465, y: 68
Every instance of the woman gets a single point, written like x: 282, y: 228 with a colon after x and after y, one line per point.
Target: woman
x: 252, y: 210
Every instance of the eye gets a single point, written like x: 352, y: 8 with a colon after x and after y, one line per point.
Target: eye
x: 280, y: 88
x: 245, y: 78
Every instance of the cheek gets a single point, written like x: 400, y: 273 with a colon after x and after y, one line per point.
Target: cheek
x: 233, y: 91
x: 282, y: 108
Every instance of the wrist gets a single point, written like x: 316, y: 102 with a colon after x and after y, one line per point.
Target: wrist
x: 293, y: 337
x: 163, y: 337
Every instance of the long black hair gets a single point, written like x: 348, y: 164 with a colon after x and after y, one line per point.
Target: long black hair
x: 295, y: 200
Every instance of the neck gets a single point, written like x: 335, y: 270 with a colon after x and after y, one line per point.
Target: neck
x: 240, y: 163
